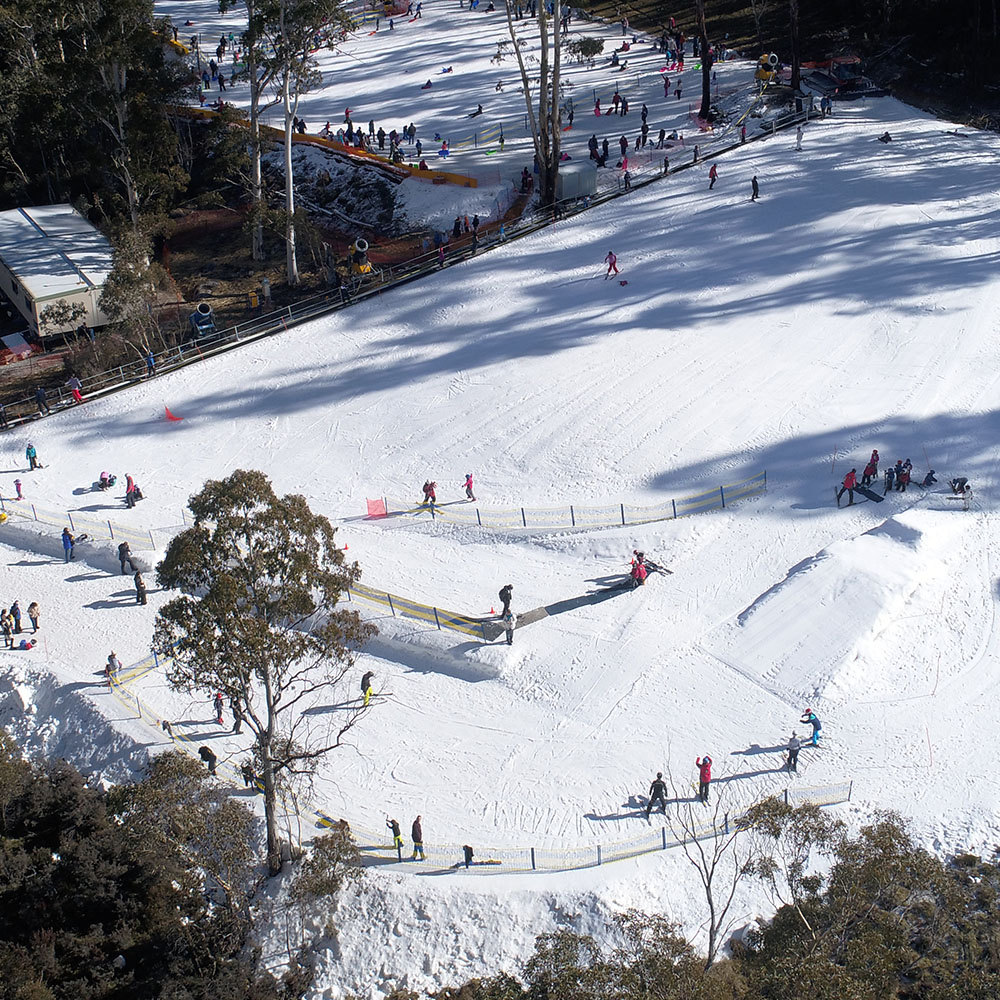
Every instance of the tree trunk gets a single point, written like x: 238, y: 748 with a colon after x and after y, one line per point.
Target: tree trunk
x: 291, y: 107
x: 706, y: 63
x: 270, y: 810
x: 256, y: 89
x: 793, y: 20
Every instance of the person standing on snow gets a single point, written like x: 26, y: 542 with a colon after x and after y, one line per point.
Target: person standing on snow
x: 34, y: 613
x: 129, y: 491
x: 429, y: 488
x: 68, y: 542
x: 713, y: 176
x: 798, y: 138
x: 657, y: 793
x: 755, y: 188
x: 874, y: 460
x: 704, y: 765
x: 869, y: 473
x: 15, y: 613
x: 506, y: 593
x: 417, y: 835
x: 890, y: 475
x: 397, y: 837
x: 366, y: 686
x: 850, y: 481
x: 125, y: 556
x: 509, y: 622
x: 794, y: 745
x: 140, y: 590
x: 218, y: 703
x: 639, y: 573
x: 902, y: 479
x: 32, y: 456
x: 468, y: 486
x: 612, y: 261
x: 809, y: 718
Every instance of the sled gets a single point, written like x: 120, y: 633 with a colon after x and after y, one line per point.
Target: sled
x: 870, y: 494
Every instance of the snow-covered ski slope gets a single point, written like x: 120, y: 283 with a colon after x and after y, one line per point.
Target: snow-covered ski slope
x: 854, y: 306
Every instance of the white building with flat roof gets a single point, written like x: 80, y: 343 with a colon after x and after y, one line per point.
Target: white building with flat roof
x: 51, y: 254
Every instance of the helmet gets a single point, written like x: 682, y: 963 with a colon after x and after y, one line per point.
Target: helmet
x: 659, y: 774
x: 808, y: 711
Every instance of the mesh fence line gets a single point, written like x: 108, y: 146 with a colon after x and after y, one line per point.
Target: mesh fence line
x: 22, y: 510
x: 378, y: 844
x: 461, y: 512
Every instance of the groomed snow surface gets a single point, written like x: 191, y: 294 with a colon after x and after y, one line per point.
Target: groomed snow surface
x: 852, y: 307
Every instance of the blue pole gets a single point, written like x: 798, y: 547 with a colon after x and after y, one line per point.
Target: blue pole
x: 722, y: 493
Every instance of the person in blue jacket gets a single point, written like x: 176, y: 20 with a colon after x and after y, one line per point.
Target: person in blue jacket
x: 809, y: 717
x: 68, y: 542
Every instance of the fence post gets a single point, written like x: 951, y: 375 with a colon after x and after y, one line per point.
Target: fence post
x: 572, y: 516
x: 673, y: 503
x: 479, y: 520
x: 391, y: 608
x: 850, y: 788
x: 725, y: 824
x: 765, y: 479
x: 156, y: 661
x: 437, y: 621
x: 533, y: 859
x: 2, y: 507
x: 722, y: 493
x: 524, y: 520
x: 34, y: 513
x: 786, y: 796
x: 151, y: 542
x: 111, y: 531
x: 72, y: 526
x: 598, y: 853
x: 623, y: 513
x: 663, y: 830
x: 138, y: 707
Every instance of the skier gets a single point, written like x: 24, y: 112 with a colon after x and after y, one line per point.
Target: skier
x: 809, y: 717
x: 417, y: 835
x: 870, y: 471
x: 429, y: 488
x: 125, y: 556
x: 890, y: 474
x: 206, y: 754
x: 68, y: 542
x: 468, y: 486
x: 509, y: 622
x: 755, y: 188
x: 140, y: 590
x: 794, y: 745
x: 506, y: 592
x: 217, y: 701
x: 32, y: 456
x: 850, y: 481
x: 713, y: 176
x: 638, y: 574
x: 612, y: 261
x: 657, y: 793
x: 704, y: 765
x: 397, y: 837
x: 366, y: 685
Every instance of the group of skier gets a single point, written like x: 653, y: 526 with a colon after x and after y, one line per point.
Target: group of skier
x: 897, y: 477
x: 658, y: 788
x: 429, y: 490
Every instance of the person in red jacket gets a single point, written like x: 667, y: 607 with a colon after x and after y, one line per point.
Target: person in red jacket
x: 874, y: 460
x: 871, y: 470
x: 850, y: 481
x: 639, y: 574
x: 704, y: 776
x: 713, y: 176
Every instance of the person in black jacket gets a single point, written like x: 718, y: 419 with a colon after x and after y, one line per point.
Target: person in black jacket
x: 417, y: 833
x: 657, y: 793
x: 366, y: 685
x: 397, y: 837
x: 506, y: 593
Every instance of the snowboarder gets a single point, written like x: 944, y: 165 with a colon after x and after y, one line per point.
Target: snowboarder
x: 929, y: 479
x: 509, y: 622
x: 125, y: 556
x: 959, y: 484
x: 809, y: 718
x: 704, y: 765
x: 206, y: 754
x: 657, y: 793
x: 366, y: 686
x: 713, y: 176
x: 417, y: 835
x: 429, y: 488
x: 468, y: 486
x: 794, y: 745
x: 397, y: 837
x: 218, y: 702
x: 140, y: 589
x: 32, y: 456
x: 68, y: 542
x: 850, y: 481
x: 612, y: 261
x: 506, y: 592
x: 755, y: 187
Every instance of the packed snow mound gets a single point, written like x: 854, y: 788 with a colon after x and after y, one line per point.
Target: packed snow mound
x: 879, y: 601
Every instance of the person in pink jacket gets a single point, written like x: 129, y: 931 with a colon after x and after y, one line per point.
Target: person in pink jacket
x: 704, y: 765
